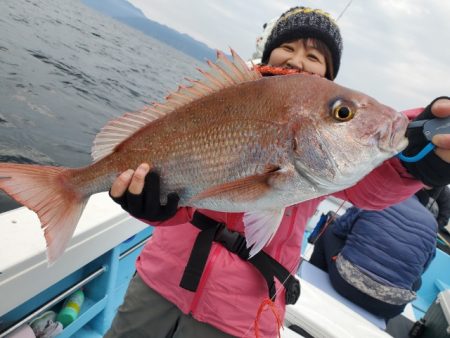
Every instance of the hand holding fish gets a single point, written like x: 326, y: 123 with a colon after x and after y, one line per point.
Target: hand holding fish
x: 138, y: 192
x: 131, y: 180
x: 433, y: 169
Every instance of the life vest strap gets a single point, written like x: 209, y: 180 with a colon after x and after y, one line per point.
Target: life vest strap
x: 233, y: 241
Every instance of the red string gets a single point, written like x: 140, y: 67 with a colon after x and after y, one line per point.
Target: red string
x: 266, y: 70
x: 271, y: 305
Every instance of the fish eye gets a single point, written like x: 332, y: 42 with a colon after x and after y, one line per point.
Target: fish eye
x: 342, y: 112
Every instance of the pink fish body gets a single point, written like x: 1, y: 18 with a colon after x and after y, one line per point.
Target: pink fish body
x: 233, y: 142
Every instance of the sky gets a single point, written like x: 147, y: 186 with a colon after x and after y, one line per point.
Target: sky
x: 397, y: 51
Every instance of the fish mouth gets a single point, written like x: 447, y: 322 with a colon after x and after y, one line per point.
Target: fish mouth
x: 393, y: 139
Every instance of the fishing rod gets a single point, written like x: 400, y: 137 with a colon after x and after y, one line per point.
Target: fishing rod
x: 442, y: 239
x: 344, y: 10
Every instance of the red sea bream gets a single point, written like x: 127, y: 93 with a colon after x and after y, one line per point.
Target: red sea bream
x: 234, y: 142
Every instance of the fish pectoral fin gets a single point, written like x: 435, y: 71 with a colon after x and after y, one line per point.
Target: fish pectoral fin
x: 260, y: 227
x: 244, y: 189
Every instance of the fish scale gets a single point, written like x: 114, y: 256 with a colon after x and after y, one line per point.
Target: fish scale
x: 225, y: 156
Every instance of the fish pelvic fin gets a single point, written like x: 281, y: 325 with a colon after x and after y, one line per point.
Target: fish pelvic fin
x: 260, y: 227
x: 47, y: 191
x: 221, y: 74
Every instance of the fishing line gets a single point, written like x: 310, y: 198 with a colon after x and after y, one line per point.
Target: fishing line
x: 330, y: 220
x: 344, y: 10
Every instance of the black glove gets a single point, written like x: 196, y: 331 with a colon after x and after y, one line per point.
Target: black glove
x: 147, y: 204
x: 431, y: 170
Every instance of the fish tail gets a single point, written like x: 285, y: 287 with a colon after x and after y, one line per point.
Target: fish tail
x: 50, y: 192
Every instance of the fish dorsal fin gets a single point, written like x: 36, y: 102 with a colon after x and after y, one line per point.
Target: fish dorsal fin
x: 222, y: 74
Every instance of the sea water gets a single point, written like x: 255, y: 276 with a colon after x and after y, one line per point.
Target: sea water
x: 65, y: 71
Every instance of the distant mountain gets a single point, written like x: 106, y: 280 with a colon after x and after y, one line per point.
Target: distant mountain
x: 125, y: 12
x: 115, y: 8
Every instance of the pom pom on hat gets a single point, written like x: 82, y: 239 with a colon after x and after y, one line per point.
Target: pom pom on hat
x: 303, y: 23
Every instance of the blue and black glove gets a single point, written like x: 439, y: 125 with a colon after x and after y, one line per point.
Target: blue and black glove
x: 431, y: 170
x: 147, y: 205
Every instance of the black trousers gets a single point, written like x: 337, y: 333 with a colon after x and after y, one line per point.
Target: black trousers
x: 329, y: 245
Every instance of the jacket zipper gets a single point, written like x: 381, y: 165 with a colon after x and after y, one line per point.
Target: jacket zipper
x: 208, y: 268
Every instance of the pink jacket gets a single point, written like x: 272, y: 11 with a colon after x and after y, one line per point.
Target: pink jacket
x: 231, y: 290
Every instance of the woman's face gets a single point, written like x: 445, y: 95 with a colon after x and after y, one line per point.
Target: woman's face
x: 299, y: 54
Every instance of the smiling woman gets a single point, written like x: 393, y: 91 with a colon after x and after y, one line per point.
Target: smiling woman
x: 306, y: 39
x: 303, y: 55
